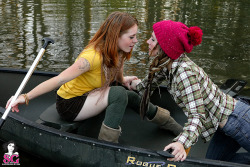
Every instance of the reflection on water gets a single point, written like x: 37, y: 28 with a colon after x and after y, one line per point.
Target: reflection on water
x: 224, y: 52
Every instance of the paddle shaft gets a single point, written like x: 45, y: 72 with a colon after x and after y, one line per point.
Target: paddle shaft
x: 26, y: 79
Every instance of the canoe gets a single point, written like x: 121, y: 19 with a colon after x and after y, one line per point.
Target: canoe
x: 37, y: 129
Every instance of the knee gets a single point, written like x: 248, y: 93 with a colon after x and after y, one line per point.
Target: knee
x: 118, y: 94
x: 133, y: 96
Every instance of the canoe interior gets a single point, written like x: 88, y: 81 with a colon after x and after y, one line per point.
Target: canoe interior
x: 135, y: 132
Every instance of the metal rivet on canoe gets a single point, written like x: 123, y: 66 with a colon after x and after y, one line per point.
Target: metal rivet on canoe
x: 93, y: 144
x: 66, y: 138
x: 119, y: 149
x: 40, y: 134
x: 24, y: 127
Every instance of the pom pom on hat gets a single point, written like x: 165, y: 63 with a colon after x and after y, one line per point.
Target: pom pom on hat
x: 195, y: 35
x: 175, y: 38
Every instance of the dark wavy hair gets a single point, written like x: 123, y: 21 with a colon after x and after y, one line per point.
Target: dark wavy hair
x: 159, y: 62
x: 5, y: 146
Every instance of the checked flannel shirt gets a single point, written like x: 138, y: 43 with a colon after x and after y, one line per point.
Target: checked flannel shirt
x: 202, y: 101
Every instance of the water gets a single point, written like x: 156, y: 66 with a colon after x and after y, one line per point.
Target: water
x: 224, y: 52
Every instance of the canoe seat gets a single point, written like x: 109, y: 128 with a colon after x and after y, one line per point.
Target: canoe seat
x: 51, y: 118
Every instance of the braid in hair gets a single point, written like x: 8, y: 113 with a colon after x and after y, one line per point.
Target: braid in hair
x: 160, y: 61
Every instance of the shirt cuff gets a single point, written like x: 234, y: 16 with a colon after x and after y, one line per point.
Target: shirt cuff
x: 183, y: 138
x: 140, y: 88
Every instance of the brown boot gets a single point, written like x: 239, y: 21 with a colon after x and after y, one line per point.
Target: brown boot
x: 109, y: 134
x: 166, y: 122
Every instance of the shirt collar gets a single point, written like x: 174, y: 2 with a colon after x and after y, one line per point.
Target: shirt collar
x: 176, y: 63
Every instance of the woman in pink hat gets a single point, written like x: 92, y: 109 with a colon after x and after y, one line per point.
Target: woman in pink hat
x: 85, y: 88
x: 209, y: 110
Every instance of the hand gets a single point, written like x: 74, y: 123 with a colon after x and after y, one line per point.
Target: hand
x: 134, y: 83
x: 178, y: 151
x: 127, y: 81
x: 19, y: 100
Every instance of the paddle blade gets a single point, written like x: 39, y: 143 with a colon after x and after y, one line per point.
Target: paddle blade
x: 165, y: 154
x: 233, y: 86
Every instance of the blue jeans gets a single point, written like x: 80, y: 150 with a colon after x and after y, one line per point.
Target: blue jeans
x: 234, y: 135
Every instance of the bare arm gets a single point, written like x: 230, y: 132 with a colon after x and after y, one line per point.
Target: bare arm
x: 76, y: 69
x: 126, y: 81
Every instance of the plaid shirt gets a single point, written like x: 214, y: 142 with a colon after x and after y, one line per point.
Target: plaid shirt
x: 202, y: 101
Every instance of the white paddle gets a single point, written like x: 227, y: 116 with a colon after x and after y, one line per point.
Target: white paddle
x: 47, y: 41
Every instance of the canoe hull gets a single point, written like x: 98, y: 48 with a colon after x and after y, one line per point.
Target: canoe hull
x: 71, y: 149
x: 74, y: 150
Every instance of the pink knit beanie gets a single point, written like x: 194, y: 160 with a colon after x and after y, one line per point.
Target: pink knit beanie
x: 176, y: 38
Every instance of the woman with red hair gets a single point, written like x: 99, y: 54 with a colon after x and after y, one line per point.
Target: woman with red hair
x: 209, y: 110
x: 84, y: 87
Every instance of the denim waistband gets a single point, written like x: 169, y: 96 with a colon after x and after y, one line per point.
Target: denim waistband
x: 239, y: 109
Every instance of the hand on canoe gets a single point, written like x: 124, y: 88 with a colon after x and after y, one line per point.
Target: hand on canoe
x: 178, y: 151
x: 19, y: 100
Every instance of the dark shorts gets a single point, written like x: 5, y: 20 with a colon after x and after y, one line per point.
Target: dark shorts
x: 68, y: 109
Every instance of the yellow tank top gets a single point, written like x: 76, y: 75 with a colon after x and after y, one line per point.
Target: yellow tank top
x: 87, y: 81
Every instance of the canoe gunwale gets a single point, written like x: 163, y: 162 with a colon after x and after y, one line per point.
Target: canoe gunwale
x: 24, y: 71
